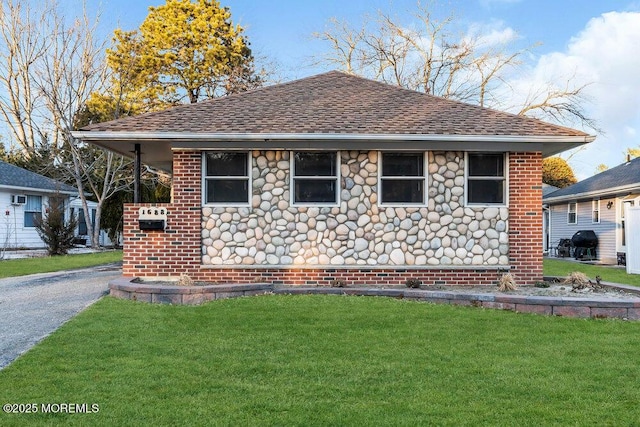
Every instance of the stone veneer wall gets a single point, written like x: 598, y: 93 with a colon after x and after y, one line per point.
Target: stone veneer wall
x: 185, y: 246
x: 358, y: 231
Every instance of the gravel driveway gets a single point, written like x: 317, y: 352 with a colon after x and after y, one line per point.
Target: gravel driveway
x: 31, y: 307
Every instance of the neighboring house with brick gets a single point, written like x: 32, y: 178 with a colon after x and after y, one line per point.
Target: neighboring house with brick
x: 335, y: 177
x: 597, y: 203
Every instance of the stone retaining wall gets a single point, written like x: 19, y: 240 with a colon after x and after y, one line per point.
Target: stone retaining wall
x: 124, y: 288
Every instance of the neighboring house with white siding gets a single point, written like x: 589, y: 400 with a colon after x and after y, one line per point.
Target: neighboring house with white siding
x: 24, y: 196
x: 596, y: 203
x: 546, y: 237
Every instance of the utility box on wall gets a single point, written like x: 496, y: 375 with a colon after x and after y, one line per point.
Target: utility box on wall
x: 152, y: 218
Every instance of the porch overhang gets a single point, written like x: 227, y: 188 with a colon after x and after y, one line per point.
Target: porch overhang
x: 156, y: 147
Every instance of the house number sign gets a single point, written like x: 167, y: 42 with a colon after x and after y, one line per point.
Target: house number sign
x: 145, y: 214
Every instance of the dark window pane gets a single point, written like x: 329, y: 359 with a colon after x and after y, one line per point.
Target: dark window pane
x: 82, y: 223
x: 227, y: 164
x: 32, y: 218
x: 402, y: 191
x: 315, y: 191
x: 486, y: 191
x: 486, y: 164
x: 227, y: 191
x: 315, y: 164
x: 402, y: 164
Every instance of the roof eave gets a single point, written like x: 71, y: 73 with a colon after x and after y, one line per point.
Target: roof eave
x: 157, y: 146
x: 91, y: 136
x: 37, y: 190
x: 612, y: 192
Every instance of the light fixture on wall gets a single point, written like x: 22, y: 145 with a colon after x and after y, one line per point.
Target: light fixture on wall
x: 609, y: 205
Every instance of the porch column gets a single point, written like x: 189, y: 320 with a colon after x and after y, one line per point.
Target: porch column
x: 136, y: 174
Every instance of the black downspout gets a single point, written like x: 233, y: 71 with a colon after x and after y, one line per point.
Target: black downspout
x: 136, y: 174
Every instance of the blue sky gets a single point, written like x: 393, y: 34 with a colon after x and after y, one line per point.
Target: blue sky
x: 599, y: 38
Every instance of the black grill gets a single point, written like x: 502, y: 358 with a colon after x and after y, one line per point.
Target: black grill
x: 585, y: 243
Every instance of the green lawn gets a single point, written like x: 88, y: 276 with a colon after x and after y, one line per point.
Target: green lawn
x: 328, y: 360
x: 561, y: 268
x: 21, y: 267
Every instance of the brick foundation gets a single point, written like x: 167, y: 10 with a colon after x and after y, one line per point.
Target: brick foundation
x: 350, y: 276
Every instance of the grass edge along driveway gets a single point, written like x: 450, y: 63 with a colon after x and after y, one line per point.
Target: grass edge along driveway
x: 328, y: 360
x: 24, y: 266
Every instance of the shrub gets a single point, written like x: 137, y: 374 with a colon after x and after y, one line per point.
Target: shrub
x: 185, y: 280
x: 413, y: 283
x: 578, y: 280
x: 507, y: 283
x: 56, y: 233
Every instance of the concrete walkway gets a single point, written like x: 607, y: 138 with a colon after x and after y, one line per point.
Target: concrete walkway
x: 32, y: 307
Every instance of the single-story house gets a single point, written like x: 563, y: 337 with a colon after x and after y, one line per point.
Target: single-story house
x: 596, y: 203
x: 24, y: 195
x: 337, y: 178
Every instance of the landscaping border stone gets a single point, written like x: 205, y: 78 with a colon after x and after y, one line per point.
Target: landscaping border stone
x: 587, y: 307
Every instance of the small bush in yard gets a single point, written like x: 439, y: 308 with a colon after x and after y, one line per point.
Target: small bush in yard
x: 56, y: 233
x: 578, y: 280
x: 507, y: 283
x: 185, y: 280
x: 338, y: 284
x: 413, y: 283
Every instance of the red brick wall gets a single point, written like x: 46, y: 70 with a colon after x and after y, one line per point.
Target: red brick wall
x: 525, y: 216
x: 353, y: 276
x: 177, y: 250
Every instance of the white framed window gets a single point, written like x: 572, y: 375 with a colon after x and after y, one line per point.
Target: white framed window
x: 595, y: 211
x: 572, y: 213
x: 486, y: 179
x: 403, y: 179
x: 32, y: 211
x: 315, y: 178
x: 226, y: 178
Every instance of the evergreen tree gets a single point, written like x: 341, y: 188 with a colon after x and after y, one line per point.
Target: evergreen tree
x: 557, y: 172
x: 183, y: 50
x: 54, y: 231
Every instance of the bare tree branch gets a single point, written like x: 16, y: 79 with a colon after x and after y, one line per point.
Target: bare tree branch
x: 428, y: 56
x: 49, y: 67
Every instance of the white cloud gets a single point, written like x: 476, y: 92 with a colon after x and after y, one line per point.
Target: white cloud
x: 488, y: 3
x: 491, y: 35
x: 605, y: 54
x: 630, y: 132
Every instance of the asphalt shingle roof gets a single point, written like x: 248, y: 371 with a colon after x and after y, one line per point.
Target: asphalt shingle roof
x: 548, y: 189
x: 334, y: 103
x: 14, y: 176
x: 622, y: 175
